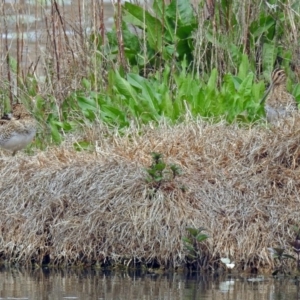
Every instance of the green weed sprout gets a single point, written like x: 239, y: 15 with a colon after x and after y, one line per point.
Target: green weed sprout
x: 194, y: 246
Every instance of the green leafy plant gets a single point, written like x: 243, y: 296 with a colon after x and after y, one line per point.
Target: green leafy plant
x: 155, y: 171
x: 160, y: 172
x: 193, y: 243
x: 167, y: 34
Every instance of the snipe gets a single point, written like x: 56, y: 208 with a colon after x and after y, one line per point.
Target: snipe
x: 278, y: 102
x: 17, y: 129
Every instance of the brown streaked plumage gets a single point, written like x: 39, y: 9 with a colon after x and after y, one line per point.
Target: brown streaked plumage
x: 17, y: 129
x: 279, y: 103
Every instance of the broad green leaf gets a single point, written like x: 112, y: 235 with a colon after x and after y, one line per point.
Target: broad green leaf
x: 212, y: 82
x: 258, y: 90
x: 158, y: 178
x: 62, y: 125
x: 269, y: 55
x: 183, y: 49
x: 55, y: 134
x: 296, y: 92
x: 151, y: 172
x: 124, y: 88
x: 167, y: 106
x: 191, y: 249
x: 182, y: 10
x: 187, y: 240
x: 138, y: 16
x: 86, y: 83
x: 245, y: 89
x: 113, y: 115
x: 159, y: 8
x: 244, y: 67
x: 132, y: 44
x: 201, y: 237
x: 82, y: 145
x: 155, y: 32
x: 87, y: 103
x: 148, y: 99
x: 136, y: 80
x: 160, y: 166
x: 235, y: 53
x: 262, y: 25
x: 193, y: 231
x: 134, y: 14
x: 39, y: 103
x: 230, y: 85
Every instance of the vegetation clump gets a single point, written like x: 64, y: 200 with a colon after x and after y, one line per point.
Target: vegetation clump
x: 93, y: 207
x: 160, y: 172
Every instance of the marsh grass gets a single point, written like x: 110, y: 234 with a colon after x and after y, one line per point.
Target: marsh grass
x: 93, y: 207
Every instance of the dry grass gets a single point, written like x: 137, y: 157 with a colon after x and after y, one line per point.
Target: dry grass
x: 242, y: 185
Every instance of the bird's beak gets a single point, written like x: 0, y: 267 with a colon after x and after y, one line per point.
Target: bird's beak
x: 266, y: 94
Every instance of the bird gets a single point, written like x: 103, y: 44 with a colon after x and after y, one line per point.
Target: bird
x: 279, y: 103
x: 17, y: 129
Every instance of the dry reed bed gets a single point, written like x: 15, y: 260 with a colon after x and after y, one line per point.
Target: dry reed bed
x: 242, y: 184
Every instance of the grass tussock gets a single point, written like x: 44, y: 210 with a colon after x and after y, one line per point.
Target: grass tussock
x: 241, y: 184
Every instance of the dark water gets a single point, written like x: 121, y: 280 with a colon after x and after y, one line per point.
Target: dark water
x: 45, y: 284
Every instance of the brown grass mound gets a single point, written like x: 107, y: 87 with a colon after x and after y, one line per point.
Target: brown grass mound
x: 241, y: 184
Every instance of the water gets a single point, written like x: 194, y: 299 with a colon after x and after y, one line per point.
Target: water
x: 28, y: 29
x: 42, y: 284
x: 35, y: 34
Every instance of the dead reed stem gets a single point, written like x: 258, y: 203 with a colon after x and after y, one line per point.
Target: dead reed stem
x: 118, y: 21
